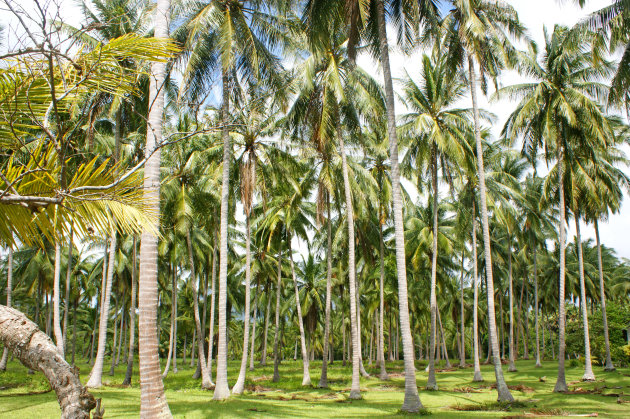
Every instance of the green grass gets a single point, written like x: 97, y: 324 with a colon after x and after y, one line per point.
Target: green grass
x: 458, y: 395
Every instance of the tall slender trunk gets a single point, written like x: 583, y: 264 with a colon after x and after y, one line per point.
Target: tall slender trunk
x: 355, y: 390
x: 171, y: 334
x: 504, y: 394
x: 276, y: 355
x: 116, y: 338
x: 152, y: 399
x: 206, y: 383
x: 211, y: 328
x: 74, y: 330
x: 608, y: 365
x: 263, y: 357
x: 197, y: 373
x: 536, y: 311
x: 381, y: 311
x: 443, y: 339
x: 512, y: 366
x: 175, y: 301
x: 56, y: 298
x: 412, y: 400
x: 122, y: 333
x: 222, y: 390
x: 5, y: 352
x: 462, y: 353
x: 132, y: 316
x: 477, y: 377
x: 323, y: 380
x: 93, y: 340
x: 561, y: 382
x: 66, y: 308
x: 254, y: 316
x: 240, y: 382
x: 431, y: 380
x: 97, y: 370
x: 306, y: 379
x: 588, y: 367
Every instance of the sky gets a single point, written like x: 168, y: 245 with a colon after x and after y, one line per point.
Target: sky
x: 534, y: 14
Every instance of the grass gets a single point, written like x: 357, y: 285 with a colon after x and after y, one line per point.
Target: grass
x: 23, y: 395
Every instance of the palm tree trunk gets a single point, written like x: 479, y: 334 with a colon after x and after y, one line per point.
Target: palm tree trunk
x: 5, y: 352
x: 588, y: 367
x: 462, y: 353
x: 222, y: 390
x: 323, y: 380
x: 66, y: 308
x: 211, y: 328
x: 74, y: 330
x: 240, y: 382
x: 443, y: 339
x: 412, y: 400
x: 97, y: 370
x: 504, y: 394
x: 561, y: 382
x: 276, y: 355
x: 171, y: 335
x: 253, y: 339
x: 197, y: 373
x: 608, y: 366
x: 206, y: 383
x: 306, y: 379
x: 512, y: 366
x: 263, y: 358
x: 431, y: 381
x: 152, y: 399
x: 132, y: 317
x: 175, y: 300
x: 355, y: 390
x: 56, y: 298
x: 381, y: 311
x: 116, y: 339
x: 536, y: 310
x: 477, y: 377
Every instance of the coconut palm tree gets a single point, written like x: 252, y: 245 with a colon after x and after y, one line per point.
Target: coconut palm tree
x: 5, y: 352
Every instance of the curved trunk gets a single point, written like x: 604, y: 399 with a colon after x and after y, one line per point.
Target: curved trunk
x: 355, y: 390
x: 306, y: 379
x: 431, y: 381
x: 254, y: 315
x: 5, y: 351
x: 97, y: 370
x: 132, y: 317
x: 381, y: 311
x: 538, y: 365
x: 240, y: 382
x: 66, y: 308
x: 56, y: 297
x: 36, y: 351
x: 561, y: 382
x: 206, y: 383
x: 504, y: 394
x: 276, y: 355
x: 588, y: 367
x: 412, y: 400
x: 211, y: 328
x: 608, y: 366
x: 152, y: 399
x: 477, y: 377
x: 222, y: 390
x: 512, y: 366
x: 323, y: 380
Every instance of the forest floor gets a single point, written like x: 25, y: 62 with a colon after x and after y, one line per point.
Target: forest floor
x: 29, y: 396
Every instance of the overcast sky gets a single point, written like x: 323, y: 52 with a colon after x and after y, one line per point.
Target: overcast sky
x: 534, y: 14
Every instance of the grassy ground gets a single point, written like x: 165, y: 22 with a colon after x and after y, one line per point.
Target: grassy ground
x: 458, y: 395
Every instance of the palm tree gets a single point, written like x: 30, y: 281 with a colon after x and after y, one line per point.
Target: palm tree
x: 438, y: 133
x: 558, y: 110
x: 478, y: 34
x: 5, y: 352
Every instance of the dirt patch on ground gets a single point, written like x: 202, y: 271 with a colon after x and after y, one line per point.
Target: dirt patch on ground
x: 259, y: 389
x: 466, y: 390
x: 261, y: 378
x: 519, y: 387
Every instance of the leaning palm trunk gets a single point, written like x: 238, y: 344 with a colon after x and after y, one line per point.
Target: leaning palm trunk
x: 512, y: 366
x: 306, y: 379
x: 276, y: 355
x: 381, y: 311
x: 97, y: 370
x: 588, y: 367
x: 412, y: 400
x: 504, y: 394
x: 206, y: 383
x: 132, y: 317
x: 66, y: 308
x: 323, y: 380
x: 5, y: 352
x: 240, y: 382
x: 536, y: 308
x: 152, y: 399
x: 608, y: 366
x: 477, y: 377
x: 431, y: 381
x: 561, y: 382
x: 56, y: 298
x: 222, y: 390
x: 355, y: 390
